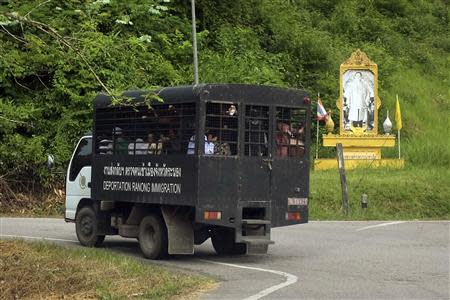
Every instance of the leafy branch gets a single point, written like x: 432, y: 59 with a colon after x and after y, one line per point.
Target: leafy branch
x: 54, y: 33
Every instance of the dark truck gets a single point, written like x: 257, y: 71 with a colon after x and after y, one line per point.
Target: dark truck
x: 221, y: 161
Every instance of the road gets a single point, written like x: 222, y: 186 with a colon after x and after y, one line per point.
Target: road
x: 319, y: 260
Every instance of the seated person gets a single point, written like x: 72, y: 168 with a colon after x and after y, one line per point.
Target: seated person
x: 105, y: 146
x: 121, y: 145
x: 282, y: 139
x: 141, y: 147
x: 154, y: 147
x: 222, y: 149
x: 209, y: 144
x: 172, y: 143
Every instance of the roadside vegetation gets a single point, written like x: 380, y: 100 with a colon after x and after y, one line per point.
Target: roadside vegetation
x: 56, y: 55
x: 407, y: 194
x: 43, y: 271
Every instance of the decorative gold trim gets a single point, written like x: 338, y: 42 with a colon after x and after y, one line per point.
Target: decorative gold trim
x: 359, y: 58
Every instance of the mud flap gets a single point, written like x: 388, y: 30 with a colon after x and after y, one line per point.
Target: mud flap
x: 180, y: 231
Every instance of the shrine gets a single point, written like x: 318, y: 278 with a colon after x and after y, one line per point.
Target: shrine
x: 358, y: 105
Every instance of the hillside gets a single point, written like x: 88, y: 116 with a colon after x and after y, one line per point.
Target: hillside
x: 55, y: 56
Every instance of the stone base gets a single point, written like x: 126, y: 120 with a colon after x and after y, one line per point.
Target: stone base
x: 331, y: 163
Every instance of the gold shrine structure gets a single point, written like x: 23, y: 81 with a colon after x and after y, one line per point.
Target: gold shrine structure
x: 358, y: 106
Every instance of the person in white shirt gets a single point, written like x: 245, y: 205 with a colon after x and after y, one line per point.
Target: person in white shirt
x: 209, y: 144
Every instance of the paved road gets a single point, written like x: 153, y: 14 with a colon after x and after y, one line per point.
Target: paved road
x: 320, y: 260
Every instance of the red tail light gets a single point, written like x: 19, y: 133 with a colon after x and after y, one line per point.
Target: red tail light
x: 293, y: 216
x: 212, y: 215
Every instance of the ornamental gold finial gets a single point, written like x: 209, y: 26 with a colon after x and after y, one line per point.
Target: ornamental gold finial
x: 359, y: 58
x: 329, y: 123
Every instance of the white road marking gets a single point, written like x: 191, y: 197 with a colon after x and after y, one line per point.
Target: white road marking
x: 381, y: 225
x: 290, y: 279
x: 37, y: 238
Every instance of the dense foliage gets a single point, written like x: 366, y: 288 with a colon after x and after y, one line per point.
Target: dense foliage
x: 56, y: 55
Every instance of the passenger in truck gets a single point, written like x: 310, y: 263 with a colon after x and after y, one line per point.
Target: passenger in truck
x: 120, y: 144
x: 154, y: 147
x: 141, y: 147
x: 105, y: 146
x: 282, y: 139
x: 209, y: 144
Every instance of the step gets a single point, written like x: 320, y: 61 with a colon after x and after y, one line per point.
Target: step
x: 255, y: 222
x: 256, y: 241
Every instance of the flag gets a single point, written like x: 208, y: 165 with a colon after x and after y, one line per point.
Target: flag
x: 321, y: 112
x: 398, y: 115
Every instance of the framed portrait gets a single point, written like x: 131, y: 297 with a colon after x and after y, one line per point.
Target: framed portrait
x: 358, y: 101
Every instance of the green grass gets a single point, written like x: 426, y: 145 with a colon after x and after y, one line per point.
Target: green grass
x: 425, y: 106
x: 42, y: 270
x: 410, y: 193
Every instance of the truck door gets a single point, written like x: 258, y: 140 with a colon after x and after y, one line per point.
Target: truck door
x: 78, y: 176
x: 290, y: 167
x: 255, y: 170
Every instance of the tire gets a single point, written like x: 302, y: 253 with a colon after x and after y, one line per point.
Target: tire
x: 153, y: 237
x: 86, y: 227
x: 223, y: 242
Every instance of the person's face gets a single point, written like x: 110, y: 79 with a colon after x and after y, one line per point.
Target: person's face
x: 211, y: 137
x: 358, y: 75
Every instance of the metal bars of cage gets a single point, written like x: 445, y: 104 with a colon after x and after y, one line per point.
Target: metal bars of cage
x: 290, y: 135
x: 221, y: 127
x: 256, y: 130
x: 158, y: 129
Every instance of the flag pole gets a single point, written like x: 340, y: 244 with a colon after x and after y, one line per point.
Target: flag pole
x: 317, y: 134
x: 317, y: 139
x: 398, y: 129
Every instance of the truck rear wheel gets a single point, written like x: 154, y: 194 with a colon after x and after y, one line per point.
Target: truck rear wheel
x: 223, y: 242
x: 86, y: 227
x: 153, y: 237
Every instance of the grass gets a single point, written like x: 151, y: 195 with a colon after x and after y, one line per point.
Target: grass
x: 42, y: 271
x: 410, y: 193
x: 425, y: 107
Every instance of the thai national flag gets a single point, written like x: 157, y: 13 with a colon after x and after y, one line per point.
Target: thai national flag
x: 321, y: 112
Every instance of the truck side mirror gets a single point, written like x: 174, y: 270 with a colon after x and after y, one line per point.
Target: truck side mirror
x: 50, y: 161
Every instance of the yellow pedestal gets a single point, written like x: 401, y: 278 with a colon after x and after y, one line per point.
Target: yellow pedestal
x: 331, y: 163
x: 359, y: 151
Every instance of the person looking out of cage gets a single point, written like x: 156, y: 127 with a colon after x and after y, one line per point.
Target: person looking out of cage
x: 210, y: 139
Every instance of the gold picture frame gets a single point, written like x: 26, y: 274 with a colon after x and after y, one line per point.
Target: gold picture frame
x: 358, y: 101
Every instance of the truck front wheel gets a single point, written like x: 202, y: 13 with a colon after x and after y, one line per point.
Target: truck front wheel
x: 153, y: 237
x: 86, y: 226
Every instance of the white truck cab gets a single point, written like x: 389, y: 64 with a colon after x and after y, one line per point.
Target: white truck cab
x: 78, y: 179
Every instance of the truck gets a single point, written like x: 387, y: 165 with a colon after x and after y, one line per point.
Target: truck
x: 179, y: 165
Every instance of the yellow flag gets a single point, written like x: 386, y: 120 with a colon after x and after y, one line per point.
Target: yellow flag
x: 398, y: 115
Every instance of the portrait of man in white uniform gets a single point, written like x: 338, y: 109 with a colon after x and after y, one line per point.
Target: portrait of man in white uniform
x: 358, y: 102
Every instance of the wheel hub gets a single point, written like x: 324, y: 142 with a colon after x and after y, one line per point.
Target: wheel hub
x: 87, y: 226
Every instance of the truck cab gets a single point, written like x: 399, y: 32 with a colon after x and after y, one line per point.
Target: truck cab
x: 78, y: 177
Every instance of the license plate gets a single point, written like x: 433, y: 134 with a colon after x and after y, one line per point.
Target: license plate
x: 298, y: 201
